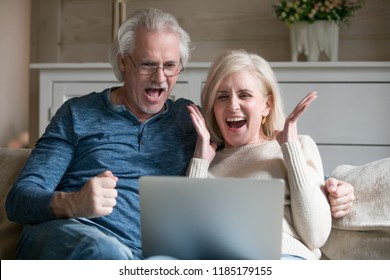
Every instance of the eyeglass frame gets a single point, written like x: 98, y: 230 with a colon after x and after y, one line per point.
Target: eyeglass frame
x: 180, y: 67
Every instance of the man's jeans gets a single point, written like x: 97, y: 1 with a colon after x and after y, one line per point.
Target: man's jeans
x: 69, y: 239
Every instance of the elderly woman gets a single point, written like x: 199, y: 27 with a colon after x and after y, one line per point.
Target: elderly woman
x: 244, y: 134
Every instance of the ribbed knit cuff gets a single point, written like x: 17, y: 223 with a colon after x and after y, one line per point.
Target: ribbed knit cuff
x: 198, y: 168
x: 295, y: 162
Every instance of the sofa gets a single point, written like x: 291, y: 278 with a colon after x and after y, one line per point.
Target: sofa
x: 363, y: 234
x: 11, y: 161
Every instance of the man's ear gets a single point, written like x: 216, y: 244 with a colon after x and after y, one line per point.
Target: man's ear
x: 121, y: 62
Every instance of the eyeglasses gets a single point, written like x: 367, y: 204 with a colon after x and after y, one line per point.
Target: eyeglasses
x: 149, y: 68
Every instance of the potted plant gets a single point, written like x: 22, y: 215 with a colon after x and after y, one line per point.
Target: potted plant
x: 314, y: 24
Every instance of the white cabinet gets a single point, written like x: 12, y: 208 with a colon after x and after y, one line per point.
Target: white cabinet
x: 60, y: 81
x: 349, y: 120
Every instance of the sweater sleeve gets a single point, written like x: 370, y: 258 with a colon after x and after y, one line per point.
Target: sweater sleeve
x: 311, y: 213
x: 198, y: 168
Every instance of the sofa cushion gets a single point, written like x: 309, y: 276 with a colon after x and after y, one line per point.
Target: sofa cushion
x: 11, y: 161
x: 365, y: 232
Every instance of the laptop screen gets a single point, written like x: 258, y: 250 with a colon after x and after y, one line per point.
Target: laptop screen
x: 224, y: 218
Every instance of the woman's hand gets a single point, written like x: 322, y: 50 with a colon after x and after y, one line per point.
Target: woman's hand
x: 290, y: 130
x: 203, y: 149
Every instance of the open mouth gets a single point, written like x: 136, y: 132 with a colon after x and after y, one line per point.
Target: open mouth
x: 236, y: 122
x: 154, y: 93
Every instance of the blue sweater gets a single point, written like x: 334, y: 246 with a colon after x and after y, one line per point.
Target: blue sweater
x: 89, y: 135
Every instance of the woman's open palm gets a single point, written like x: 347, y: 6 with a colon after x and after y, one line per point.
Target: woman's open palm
x: 290, y: 130
x: 204, y: 149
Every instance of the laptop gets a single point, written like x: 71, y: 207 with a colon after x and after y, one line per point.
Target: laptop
x: 201, y: 219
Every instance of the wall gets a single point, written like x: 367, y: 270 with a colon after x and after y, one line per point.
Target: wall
x: 80, y: 31
x: 14, y: 68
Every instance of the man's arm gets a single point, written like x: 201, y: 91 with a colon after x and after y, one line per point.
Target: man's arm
x: 340, y: 196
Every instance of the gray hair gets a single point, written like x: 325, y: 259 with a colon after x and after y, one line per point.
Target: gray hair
x: 234, y: 61
x: 151, y: 19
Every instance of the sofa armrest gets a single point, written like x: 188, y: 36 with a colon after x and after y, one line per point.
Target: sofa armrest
x: 365, y: 232
x: 11, y: 162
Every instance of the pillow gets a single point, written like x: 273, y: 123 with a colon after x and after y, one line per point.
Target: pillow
x: 371, y: 208
x: 11, y: 161
x: 365, y: 232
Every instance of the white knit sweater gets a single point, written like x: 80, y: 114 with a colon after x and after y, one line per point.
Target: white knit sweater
x: 307, y: 216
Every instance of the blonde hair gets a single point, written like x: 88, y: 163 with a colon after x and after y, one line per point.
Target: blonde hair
x: 234, y: 61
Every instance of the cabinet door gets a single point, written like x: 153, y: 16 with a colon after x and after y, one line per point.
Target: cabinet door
x: 348, y: 121
x: 355, y: 111
x: 335, y: 155
x: 63, y: 91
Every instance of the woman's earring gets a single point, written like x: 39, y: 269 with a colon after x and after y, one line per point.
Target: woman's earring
x: 263, y: 120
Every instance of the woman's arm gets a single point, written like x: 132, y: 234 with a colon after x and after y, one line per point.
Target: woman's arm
x: 311, y: 214
x: 310, y: 209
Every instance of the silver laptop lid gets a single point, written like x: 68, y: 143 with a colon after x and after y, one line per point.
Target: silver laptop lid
x: 224, y: 218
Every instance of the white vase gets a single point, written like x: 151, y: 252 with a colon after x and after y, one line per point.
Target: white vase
x: 313, y: 38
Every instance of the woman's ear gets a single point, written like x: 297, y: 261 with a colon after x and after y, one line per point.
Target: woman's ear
x: 268, y: 105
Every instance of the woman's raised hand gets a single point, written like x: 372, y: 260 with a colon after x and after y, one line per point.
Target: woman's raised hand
x: 204, y: 149
x: 290, y: 130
